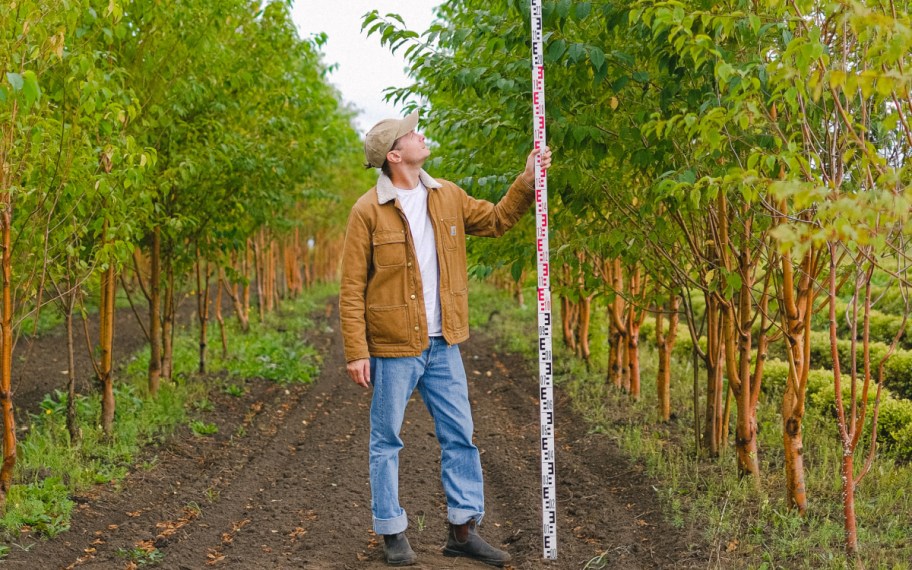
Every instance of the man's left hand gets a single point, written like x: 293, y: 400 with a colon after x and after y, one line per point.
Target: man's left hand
x: 529, y: 174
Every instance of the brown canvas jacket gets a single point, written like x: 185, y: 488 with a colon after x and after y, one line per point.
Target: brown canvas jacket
x: 380, y: 300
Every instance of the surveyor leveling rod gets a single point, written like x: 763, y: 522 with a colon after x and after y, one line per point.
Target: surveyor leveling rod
x: 545, y: 379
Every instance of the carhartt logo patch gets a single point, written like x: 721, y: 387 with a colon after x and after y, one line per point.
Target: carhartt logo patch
x: 452, y: 230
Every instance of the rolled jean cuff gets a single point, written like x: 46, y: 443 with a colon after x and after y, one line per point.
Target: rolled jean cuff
x: 462, y: 516
x: 391, y: 526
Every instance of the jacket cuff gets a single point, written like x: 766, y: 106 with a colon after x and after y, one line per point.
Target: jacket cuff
x: 356, y: 356
x: 525, y: 185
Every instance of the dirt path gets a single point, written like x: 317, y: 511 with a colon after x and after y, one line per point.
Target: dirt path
x: 284, y: 485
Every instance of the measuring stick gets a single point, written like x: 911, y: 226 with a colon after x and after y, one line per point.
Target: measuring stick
x: 545, y: 377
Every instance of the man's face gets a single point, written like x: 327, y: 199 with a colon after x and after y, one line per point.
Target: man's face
x: 410, y: 149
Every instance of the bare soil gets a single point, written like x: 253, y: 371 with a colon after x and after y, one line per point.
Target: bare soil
x: 284, y: 483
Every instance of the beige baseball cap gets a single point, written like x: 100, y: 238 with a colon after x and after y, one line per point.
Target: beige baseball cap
x: 380, y: 139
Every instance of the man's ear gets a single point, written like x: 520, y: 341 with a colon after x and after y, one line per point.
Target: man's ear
x: 393, y: 156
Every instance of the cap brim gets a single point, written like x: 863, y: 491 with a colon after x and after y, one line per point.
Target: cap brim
x: 408, y: 124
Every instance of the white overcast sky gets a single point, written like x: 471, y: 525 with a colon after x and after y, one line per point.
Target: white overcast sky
x: 365, y: 68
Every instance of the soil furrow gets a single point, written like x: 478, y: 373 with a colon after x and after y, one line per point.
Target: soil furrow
x: 293, y: 491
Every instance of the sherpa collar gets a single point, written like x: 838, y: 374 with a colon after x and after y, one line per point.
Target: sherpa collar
x: 386, y: 192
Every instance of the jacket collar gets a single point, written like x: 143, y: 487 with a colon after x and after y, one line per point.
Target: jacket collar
x: 386, y: 192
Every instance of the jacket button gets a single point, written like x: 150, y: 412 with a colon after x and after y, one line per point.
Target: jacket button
x: 409, y: 264
x: 416, y: 327
x: 413, y: 296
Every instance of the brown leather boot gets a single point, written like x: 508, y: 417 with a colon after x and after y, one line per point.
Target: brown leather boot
x: 463, y: 540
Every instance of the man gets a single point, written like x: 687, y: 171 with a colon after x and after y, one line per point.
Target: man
x: 404, y: 309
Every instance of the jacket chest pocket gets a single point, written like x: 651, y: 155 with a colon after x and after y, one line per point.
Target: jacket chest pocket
x: 389, y: 248
x: 451, y: 232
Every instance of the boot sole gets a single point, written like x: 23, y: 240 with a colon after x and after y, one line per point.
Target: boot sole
x: 458, y: 553
x: 410, y: 562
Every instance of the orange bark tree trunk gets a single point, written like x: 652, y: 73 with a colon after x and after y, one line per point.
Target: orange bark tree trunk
x: 738, y: 316
x: 6, y: 348
x: 797, y: 302
x: 712, y: 426
x: 665, y: 342
x: 635, y: 314
x: 617, y: 369
x: 851, y: 416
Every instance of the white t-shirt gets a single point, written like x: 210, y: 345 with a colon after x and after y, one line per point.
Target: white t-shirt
x: 414, y: 204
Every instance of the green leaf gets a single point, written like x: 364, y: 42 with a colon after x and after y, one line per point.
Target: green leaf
x: 733, y: 280
x: 620, y: 83
x: 30, y: 88
x: 517, y: 269
x: 15, y: 80
x: 576, y: 52
x: 582, y: 10
x: 597, y: 57
x: 556, y: 50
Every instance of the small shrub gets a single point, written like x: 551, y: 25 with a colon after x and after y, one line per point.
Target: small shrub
x: 203, y: 405
x: 895, y: 427
x: 44, y: 506
x: 648, y: 330
x: 898, y: 373
x: 775, y: 375
x: 200, y: 428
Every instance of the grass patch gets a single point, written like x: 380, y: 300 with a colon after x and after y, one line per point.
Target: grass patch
x: 141, y: 556
x: 50, y: 470
x: 744, y: 528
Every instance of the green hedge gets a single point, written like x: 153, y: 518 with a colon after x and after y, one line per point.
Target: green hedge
x: 894, y: 419
x: 884, y: 325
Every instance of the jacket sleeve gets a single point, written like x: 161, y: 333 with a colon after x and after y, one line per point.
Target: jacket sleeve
x: 356, y: 261
x: 482, y: 218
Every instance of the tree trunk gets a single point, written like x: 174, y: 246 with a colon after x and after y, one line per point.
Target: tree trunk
x: 155, y: 324
x: 713, y: 421
x: 615, y: 360
x: 260, y: 277
x: 218, y: 313
x: 633, y: 353
x: 797, y: 300
x: 848, y: 505
x: 244, y: 313
x: 168, y: 323
x: 6, y: 348
x: 585, y: 307
x: 106, y: 340
x: 71, y: 422
x: 794, y: 456
x: 202, y: 306
x: 665, y: 342
x: 567, y: 323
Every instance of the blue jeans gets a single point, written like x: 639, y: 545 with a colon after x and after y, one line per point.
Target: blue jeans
x: 440, y: 378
